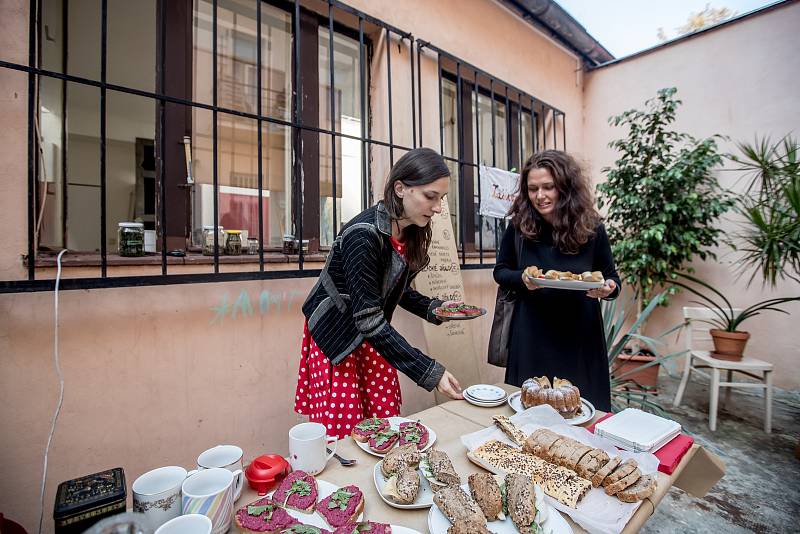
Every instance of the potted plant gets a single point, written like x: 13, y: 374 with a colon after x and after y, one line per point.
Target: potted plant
x: 662, y: 200
x: 729, y: 340
x: 633, y: 384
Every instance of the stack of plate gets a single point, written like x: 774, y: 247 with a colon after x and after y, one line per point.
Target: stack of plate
x: 485, y: 395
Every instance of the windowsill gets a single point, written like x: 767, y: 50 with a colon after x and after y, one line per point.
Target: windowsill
x: 92, y: 259
x: 47, y: 259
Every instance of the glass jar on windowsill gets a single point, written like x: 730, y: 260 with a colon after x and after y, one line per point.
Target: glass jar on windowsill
x: 130, y: 239
x: 208, y: 240
x: 233, y: 242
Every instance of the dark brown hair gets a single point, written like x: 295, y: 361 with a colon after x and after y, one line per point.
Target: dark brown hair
x: 575, y: 219
x: 417, y: 167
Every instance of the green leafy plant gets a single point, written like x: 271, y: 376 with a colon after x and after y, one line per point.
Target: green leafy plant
x: 617, y: 315
x: 770, y: 207
x: 662, y: 197
x: 726, y: 318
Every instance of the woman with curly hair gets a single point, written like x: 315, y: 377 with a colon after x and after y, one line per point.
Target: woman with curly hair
x: 554, y: 225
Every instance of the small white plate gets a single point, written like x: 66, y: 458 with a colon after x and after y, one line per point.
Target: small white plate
x: 575, y: 285
x: 485, y: 392
x: 484, y: 404
x: 587, y: 409
x: 394, y: 422
x: 554, y: 524
x: 324, y: 489
x: 424, y: 497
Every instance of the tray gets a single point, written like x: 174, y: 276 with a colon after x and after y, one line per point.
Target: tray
x: 587, y: 409
x: 574, y: 285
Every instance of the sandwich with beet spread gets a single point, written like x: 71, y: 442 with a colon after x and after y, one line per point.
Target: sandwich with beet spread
x: 265, y: 517
x: 383, y: 440
x: 366, y: 526
x: 458, y: 311
x: 414, y: 432
x: 342, y: 507
x: 297, y: 491
x: 365, y: 428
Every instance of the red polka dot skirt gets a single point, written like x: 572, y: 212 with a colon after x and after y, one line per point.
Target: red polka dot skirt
x: 362, y: 385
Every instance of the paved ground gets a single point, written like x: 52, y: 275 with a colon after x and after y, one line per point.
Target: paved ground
x: 760, y: 491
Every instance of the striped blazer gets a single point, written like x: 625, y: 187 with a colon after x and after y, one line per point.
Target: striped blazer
x: 363, y: 281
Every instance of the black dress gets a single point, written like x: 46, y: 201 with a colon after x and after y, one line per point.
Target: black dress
x: 556, y: 332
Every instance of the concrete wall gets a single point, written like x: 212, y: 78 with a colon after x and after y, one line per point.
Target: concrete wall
x: 740, y: 81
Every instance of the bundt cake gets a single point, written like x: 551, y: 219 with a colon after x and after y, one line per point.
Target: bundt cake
x: 562, y: 395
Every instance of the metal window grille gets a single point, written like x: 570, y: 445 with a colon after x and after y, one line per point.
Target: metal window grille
x: 541, y: 115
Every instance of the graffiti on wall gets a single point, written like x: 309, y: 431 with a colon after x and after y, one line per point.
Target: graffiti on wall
x: 245, y: 307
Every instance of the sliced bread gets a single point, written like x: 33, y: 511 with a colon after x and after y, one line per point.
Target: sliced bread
x: 383, y: 440
x: 642, y: 489
x: 606, y: 470
x: 403, y: 456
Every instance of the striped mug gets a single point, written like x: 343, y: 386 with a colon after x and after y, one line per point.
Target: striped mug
x: 210, y: 492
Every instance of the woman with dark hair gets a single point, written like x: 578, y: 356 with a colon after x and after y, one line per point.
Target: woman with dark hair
x: 554, y: 225
x: 351, y: 353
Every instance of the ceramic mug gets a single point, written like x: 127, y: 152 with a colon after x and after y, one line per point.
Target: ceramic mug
x: 210, y: 492
x: 307, y: 444
x: 228, y: 457
x: 186, y: 524
x: 157, y: 494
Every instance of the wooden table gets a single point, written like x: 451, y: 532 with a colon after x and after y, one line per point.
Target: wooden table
x: 698, y: 471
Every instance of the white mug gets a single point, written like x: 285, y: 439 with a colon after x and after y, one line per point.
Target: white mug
x: 157, y: 494
x: 186, y: 524
x: 210, y: 492
x: 307, y: 443
x: 228, y: 457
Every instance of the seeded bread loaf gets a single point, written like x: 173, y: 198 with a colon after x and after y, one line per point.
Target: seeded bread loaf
x: 521, y: 500
x: 486, y: 492
x: 403, y: 485
x: 457, y: 505
x: 403, y: 456
x: 442, y: 468
x: 468, y: 527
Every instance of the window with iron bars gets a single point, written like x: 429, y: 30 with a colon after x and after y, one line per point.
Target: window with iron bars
x: 112, y: 143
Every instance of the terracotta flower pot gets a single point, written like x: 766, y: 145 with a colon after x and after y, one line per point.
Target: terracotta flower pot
x: 630, y: 362
x: 729, y: 345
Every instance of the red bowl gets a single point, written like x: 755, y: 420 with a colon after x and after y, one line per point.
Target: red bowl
x: 266, y: 471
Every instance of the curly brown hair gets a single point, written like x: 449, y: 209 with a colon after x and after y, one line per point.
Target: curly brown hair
x: 576, y: 218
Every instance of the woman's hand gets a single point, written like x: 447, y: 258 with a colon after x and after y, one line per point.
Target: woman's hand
x: 602, y: 292
x: 449, y: 386
x: 528, y: 282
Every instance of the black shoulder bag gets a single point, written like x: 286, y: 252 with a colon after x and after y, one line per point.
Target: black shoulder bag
x: 503, y: 313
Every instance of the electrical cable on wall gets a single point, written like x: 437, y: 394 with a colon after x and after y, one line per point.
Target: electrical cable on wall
x: 60, y: 391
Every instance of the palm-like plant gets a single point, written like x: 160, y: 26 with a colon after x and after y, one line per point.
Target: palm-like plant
x: 616, y: 315
x: 770, y: 207
x: 726, y: 318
